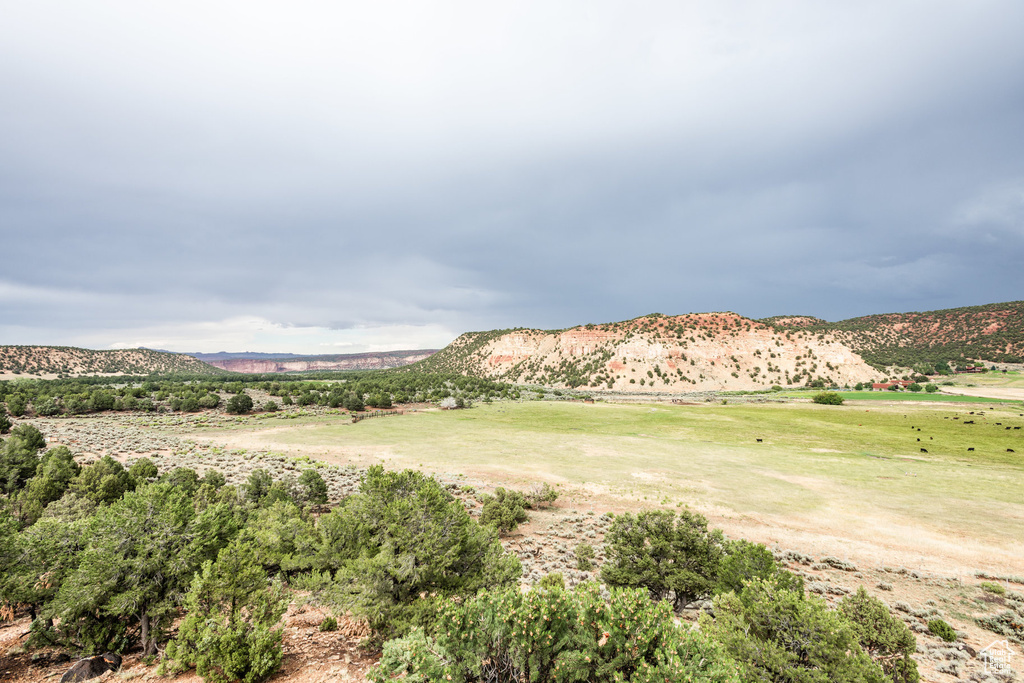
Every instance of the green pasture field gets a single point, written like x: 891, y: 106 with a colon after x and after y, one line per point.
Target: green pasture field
x: 853, y: 462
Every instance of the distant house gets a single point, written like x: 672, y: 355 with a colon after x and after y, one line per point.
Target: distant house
x: 969, y: 369
x: 882, y: 386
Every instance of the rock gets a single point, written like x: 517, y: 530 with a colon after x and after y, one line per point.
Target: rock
x: 968, y: 649
x: 85, y: 669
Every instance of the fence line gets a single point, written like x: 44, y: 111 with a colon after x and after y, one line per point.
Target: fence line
x: 376, y: 413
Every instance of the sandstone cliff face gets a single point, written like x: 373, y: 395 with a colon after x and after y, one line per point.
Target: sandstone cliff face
x: 717, y: 351
x: 358, y: 361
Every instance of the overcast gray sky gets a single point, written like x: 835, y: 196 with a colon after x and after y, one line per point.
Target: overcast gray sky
x: 327, y: 177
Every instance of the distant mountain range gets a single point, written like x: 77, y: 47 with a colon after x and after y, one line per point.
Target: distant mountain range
x: 227, y: 355
x: 652, y: 353
x: 67, y: 361
x: 714, y: 351
x: 251, y: 362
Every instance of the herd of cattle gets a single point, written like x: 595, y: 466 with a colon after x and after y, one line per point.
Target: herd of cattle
x: 967, y: 422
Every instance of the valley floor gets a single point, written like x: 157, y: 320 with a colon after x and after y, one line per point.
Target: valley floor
x: 849, y: 480
x: 846, y: 493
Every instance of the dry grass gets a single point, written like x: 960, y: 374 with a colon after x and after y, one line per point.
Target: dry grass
x: 849, y: 479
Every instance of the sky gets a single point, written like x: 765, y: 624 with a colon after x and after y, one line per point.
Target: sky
x: 325, y: 177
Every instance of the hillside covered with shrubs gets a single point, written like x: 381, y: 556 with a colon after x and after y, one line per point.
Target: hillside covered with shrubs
x: 993, y: 332
x: 68, y: 361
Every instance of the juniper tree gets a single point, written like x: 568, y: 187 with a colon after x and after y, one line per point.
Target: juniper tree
x: 8, y: 553
x: 103, y: 482
x: 777, y: 634
x: 505, y: 510
x: 31, y: 436
x: 744, y: 561
x: 404, y: 538
x: 672, y: 557
x: 312, y: 487
x: 19, y: 457
x: 143, y: 470
x: 184, y: 478
x: 231, y: 631
x: 54, y: 473
x: 142, y: 550
x: 885, y: 638
x: 552, y: 634
x: 239, y: 404
x: 353, y: 402
x: 258, y: 485
x: 16, y: 405
x: 44, y: 554
x: 283, y: 538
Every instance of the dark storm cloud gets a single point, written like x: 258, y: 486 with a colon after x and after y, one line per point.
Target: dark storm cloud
x: 302, y: 178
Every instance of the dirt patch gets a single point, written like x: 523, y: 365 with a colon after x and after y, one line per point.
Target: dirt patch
x: 1009, y: 393
x: 310, y: 656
